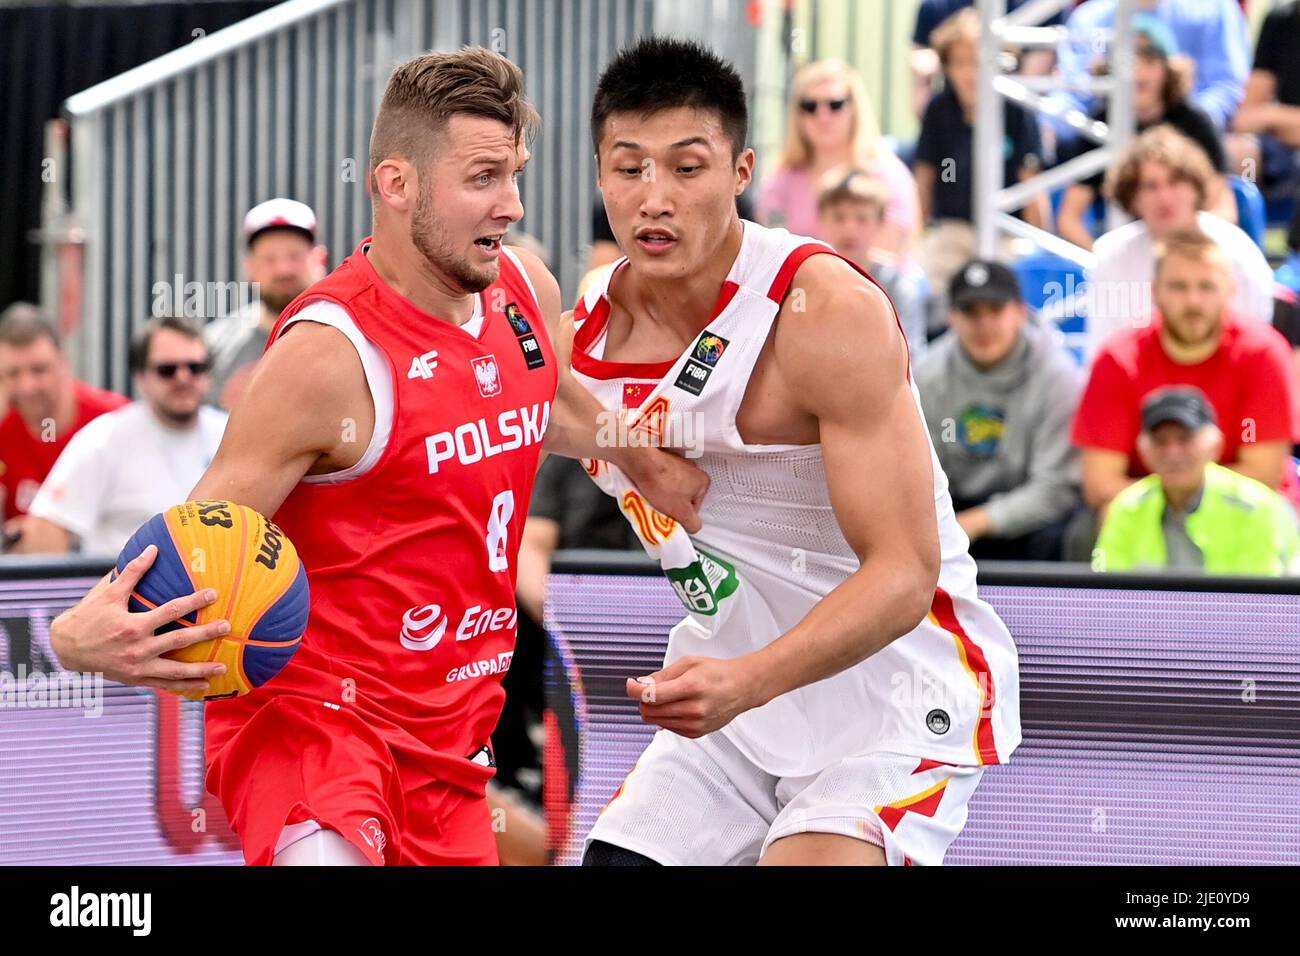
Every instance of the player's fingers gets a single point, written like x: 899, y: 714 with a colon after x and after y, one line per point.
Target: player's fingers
x: 666, y: 691
x: 178, y: 686
x: 690, y: 512
x: 179, y: 607
x: 185, y: 636
x: 681, y: 710
x: 701, y: 489
x: 135, y: 569
x: 675, y: 669
x: 165, y: 669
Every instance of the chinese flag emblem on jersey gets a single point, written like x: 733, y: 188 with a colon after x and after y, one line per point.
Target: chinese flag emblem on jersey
x: 635, y: 394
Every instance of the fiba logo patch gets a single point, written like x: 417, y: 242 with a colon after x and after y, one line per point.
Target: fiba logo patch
x: 699, y: 366
x: 938, y: 721
x: 486, y: 375
x: 517, y: 320
x: 373, y: 835
x: 423, y: 627
x: 709, y: 348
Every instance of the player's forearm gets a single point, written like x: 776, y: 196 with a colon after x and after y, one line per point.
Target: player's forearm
x: 880, y: 602
x: 575, y: 429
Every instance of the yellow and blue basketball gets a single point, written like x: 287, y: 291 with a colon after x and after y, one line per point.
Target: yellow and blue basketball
x: 260, y: 582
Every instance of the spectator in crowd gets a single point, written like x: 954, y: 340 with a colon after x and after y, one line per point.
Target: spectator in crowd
x: 47, y: 406
x: 1212, y: 33
x: 1163, y: 180
x: 1159, y: 97
x: 1194, y: 338
x: 925, y: 63
x: 1267, y: 127
x: 851, y: 209
x: 1191, y: 514
x: 832, y: 126
x: 945, y: 166
x: 1288, y: 273
x: 128, y: 465
x: 998, y: 395
x: 283, y: 259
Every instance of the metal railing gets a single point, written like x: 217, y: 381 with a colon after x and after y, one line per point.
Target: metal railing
x: 992, y: 199
x: 167, y: 157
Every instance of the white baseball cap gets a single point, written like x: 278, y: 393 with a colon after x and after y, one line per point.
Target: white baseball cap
x: 279, y: 214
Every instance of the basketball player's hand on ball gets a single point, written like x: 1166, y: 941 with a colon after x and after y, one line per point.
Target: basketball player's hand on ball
x: 673, y: 485
x: 99, y: 635
x: 695, y: 695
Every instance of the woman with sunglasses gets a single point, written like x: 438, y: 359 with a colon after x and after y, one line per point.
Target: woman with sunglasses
x: 831, y: 125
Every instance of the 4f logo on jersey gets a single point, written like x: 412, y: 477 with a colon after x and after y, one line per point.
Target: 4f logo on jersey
x: 422, y: 366
x: 487, y: 375
x: 528, y: 343
x: 699, y: 366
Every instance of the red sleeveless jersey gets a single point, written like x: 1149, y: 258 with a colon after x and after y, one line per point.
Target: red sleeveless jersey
x: 412, y: 564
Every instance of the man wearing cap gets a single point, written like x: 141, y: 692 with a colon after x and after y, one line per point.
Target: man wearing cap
x: 1244, y: 367
x: 282, y: 259
x: 1190, y: 513
x: 998, y: 396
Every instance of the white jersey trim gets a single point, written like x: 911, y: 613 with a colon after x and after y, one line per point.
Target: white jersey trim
x: 378, y: 378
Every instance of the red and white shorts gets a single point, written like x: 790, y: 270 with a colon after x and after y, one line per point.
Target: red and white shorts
x: 703, y: 802
x: 297, y: 766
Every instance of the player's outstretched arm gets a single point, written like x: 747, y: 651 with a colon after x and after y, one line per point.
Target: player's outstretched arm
x: 288, y: 421
x: 844, y: 362
x: 841, y: 360
x: 671, y: 484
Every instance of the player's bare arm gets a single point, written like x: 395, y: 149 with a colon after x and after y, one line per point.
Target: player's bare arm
x: 671, y: 484
x: 839, y: 365
x: 313, y: 371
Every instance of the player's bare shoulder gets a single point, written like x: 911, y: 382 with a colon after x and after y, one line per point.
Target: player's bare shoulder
x: 834, y: 330
x: 313, y: 379
x: 836, y: 337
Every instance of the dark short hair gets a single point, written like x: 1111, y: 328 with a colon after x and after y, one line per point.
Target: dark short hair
x: 143, y: 341
x: 661, y: 73
x: 22, y: 323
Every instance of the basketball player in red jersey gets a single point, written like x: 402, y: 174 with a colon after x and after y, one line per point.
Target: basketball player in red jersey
x: 393, y: 429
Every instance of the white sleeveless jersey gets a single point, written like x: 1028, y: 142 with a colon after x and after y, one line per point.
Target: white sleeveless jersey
x: 770, y: 548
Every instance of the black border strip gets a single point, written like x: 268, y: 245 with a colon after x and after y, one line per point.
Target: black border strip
x: 22, y: 567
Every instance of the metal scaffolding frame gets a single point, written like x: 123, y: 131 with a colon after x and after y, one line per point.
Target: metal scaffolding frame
x: 993, y: 202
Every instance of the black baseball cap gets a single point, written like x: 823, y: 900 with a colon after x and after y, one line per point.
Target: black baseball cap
x: 1183, y: 404
x: 983, y: 280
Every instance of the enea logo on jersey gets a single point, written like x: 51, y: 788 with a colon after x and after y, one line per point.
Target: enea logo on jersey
x: 487, y: 375
x: 699, y: 366
x: 528, y: 343
x: 424, y: 627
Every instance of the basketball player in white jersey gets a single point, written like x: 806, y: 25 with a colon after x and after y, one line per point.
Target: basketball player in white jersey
x: 836, y: 689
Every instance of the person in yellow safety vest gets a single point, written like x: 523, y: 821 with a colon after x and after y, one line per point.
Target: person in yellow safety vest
x: 1191, y: 513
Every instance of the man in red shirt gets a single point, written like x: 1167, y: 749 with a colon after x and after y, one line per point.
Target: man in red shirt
x: 47, y: 406
x: 1243, y: 366
x: 392, y: 429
